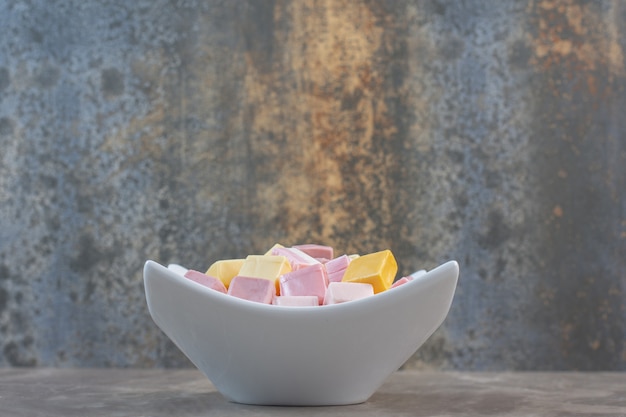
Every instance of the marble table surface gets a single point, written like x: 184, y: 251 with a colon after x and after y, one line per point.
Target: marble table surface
x: 130, y: 392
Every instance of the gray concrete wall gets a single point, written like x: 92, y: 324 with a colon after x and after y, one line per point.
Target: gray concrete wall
x: 489, y: 132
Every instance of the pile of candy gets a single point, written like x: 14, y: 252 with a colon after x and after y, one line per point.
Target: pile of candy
x: 301, y: 275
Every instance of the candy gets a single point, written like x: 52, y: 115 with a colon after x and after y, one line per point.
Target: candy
x: 297, y: 259
x: 335, y: 268
x: 265, y: 266
x: 225, y: 270
x: 206, y: 280
x: 401, y: 281
x: 406, y: 279
x: 341, y: 292
x: 316, y: 251
x: 180, y: 270
x: 378, y: 269
x: 310, y: 280
x: 296, y: 300
x: 260, y: 290
x: 418, y: 273
x: 276, y: 245
x: 301, y: 275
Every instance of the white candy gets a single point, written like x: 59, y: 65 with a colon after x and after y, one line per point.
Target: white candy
x: 180, y: 270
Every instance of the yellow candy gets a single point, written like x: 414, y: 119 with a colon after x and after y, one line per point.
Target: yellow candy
x: 378, y: 269
x: 225, y: 270
x: 265, y: 266
x: 276, y: 245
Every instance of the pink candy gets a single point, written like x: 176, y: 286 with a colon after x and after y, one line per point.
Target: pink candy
x: 206, y: 280
x: 401, y: 281
x: 297, y: 259
x: 314, y: 278
x: 260, y: 290
x: 310, y: 280
x: 408, y: 278
x: 296, y: 300
x: 341, y: 292
x: 335, y: 268
x: 316, y: 251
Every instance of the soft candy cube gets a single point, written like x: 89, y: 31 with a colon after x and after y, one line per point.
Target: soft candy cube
x: 225, y: 270
x: 311, y: 280
x: 336, y: 268
x: 180, y: 270
x: 265, y: 266
x: 401, y: 281
x: 260, y: 290
x: 341, y: 292
x: 301, y: 275
x: 276, y: 245
x: 297, y: 259
x: 378, y: 269
x: 417, y: 274
x: 205, y: 280
x: 316, y: 251
x: 296, y: 300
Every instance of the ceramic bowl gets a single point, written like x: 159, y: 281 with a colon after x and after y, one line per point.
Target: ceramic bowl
x: 275, y: 355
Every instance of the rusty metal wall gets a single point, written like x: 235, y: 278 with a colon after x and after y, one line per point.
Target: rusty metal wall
x: 488, y: 132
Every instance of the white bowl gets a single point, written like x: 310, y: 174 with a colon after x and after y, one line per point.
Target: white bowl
x: 275, y: 355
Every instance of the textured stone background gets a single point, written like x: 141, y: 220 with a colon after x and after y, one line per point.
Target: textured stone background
x: 489, y: 132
